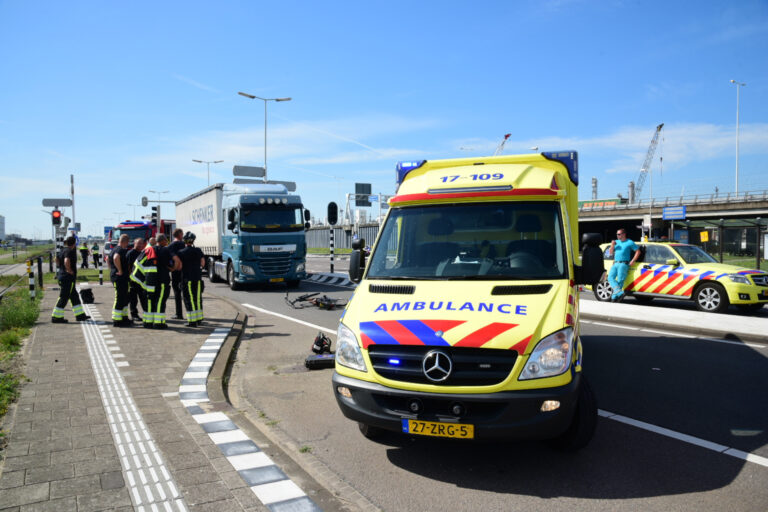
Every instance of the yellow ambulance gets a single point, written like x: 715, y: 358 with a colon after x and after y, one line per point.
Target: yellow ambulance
x: 464, y: 323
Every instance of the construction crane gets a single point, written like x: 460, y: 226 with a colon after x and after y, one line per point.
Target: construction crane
x: 646, y: 164
x: 500, y: 147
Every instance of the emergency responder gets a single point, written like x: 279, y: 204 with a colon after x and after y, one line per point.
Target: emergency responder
x: 66, y: 261
x: 164, y: 264
x: 118, y: 274
x: 192, y: 261
x: 136, y: 294
x: 174, y: 247
x: 95, y: 254
x: 83, y: 248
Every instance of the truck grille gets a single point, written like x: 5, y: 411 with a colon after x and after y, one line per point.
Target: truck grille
x: 274, y: 264
x: 471, y: 366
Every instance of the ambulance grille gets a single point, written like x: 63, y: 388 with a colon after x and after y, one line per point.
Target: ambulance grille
x: 471, y: 366
x: 761, y: 280
x: 393, y: 289
x: 535, y: 289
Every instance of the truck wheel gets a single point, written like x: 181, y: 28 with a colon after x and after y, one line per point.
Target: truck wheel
x: 371, y: 432
x: 711, y: 297
x: 603, y: 291
x: 582, y: 427
x: 212, y: 270
x: 233, y: 285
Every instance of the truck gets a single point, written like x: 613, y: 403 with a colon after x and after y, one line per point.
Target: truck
x: 249, y: 234
x: 465, y: 320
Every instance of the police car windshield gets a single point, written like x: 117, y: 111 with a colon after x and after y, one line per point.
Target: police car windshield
x: 692, y: 254
x: 271, y: 217
x: 493, y: 241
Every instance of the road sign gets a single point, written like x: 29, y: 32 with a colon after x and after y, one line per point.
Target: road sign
x: 373, y: 198
x: 244, y: 170
x: 57, y: 202
x: 362, y: 193
x: 673, y: 213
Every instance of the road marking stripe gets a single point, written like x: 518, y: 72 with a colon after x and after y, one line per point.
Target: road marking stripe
x: 314, y: 326
x: 605, y: 324
x: 703, y: 443
x: 668, y: 333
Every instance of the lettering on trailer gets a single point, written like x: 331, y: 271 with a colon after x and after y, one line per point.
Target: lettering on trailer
x: 480, y: 307
x: 201, y: 215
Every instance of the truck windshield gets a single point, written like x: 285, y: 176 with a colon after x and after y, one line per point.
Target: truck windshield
x: 133, y: 233
x: 271, y: 217
x: 692, y: 254
x: 497, y: 241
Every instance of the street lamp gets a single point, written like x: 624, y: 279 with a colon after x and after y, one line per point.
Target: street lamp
x: 134, y: 209
x: 209, y: 166
x: 158, y: 192
x: 265, y: 100
x: 738, y: 86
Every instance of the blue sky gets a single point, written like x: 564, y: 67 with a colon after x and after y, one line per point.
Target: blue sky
x: 125, y: 95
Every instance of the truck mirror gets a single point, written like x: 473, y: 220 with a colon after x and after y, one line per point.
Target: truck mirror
x: 231, y: 226
x: 306, y: 225
x: 231, y: 216
x: 306, y: 216
x: 591, y: 239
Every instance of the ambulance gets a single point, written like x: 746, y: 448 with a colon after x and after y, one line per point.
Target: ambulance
x: 465, y: 320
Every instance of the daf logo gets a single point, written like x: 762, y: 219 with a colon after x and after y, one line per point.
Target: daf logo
x: 437, y: 366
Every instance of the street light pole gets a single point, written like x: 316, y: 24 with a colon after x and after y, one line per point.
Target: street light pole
x: 208, y: 163
x: 265, y: 100
x: 738, y: 86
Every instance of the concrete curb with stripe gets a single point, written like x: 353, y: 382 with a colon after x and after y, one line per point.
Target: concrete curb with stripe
x: 334, y: 279
x: 267, y: 481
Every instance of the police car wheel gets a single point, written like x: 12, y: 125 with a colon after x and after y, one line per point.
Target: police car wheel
x: 370, y: 432
x: 712, y: 298
x: 603, y: 291
x: 582, y: 427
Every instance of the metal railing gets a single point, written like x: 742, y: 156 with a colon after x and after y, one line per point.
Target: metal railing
x: 695, y: 199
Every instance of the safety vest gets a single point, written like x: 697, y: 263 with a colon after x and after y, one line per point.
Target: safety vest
x: 145, y: 271
x: 95, y: 250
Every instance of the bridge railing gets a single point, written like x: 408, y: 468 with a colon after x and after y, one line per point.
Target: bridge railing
x: 696, y: 199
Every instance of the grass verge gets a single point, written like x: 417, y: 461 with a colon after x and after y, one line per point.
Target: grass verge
x: 17, y: 315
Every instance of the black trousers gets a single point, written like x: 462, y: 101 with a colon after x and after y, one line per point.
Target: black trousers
x: 120, y: 307
x: 84, y: 258
x: 156, y: 304
x: 67, y: 293
x: 136, y: 296
x: 95, y: 261
x: 193, y: 299
x: 177, y: 293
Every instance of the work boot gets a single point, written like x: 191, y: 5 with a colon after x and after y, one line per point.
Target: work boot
x: 82, y: 318
x: 161, y: 326
x: 192, y: 324
x: 126, y: 322
x: 147, y: 325
x: 57, y: 320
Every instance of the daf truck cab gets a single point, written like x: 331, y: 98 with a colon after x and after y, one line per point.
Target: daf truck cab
x: 465, y: 321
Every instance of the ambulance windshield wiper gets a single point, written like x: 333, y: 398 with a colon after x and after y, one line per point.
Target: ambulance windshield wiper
x: 492, y: 277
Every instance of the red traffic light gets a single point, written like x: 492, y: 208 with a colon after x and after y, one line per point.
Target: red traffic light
x: 56, y: 217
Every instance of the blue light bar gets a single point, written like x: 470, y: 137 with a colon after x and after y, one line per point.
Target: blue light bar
x: 570, y: 159
x: 403, y: 168
x: 394, y: 362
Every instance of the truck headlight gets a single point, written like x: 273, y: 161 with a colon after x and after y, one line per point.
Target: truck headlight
x: 245, y: 269
x: 737, y: 278
x: 300, y: 267
x: 552, y: 356
x: 348, y: 350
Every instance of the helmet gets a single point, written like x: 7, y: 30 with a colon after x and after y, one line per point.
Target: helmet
x: 189, y: 236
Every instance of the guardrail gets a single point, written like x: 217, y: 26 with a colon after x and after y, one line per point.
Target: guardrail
x: 2, y: 293
x: 696, y: 199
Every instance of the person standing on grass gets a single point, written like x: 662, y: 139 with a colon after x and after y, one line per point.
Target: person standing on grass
x: 66, y: 262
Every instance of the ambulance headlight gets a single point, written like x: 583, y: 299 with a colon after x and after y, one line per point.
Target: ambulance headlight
x: 348, y: 350
x: 737, y: 278
x: 552, y: 356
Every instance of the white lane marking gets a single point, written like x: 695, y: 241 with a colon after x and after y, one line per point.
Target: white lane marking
x: 703, y: 443
x: 314, y: 326
x: 605, y: 324
x: 729, y: 342
x: 669, y: 333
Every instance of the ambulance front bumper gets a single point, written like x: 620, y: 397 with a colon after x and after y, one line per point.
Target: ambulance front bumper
x: 502, y: 415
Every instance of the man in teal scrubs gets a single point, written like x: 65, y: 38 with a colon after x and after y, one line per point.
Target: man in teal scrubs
x: 621, y: 250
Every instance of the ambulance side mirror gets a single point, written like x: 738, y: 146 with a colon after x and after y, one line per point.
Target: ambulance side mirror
x: 592, y: 265
x: 357, y: 261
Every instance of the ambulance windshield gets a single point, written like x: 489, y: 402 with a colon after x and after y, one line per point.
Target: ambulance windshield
x: 485, y: 241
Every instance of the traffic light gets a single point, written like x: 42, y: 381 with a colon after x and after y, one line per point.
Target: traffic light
x: 153, y: 218
x: 333, y: 213
x: 56, y: 217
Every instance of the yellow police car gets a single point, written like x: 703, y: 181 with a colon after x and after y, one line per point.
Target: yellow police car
x: 686, y: 272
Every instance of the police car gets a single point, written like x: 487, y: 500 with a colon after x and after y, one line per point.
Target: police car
x: 686, y: 272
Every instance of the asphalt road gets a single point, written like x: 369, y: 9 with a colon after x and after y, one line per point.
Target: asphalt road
x: 711, y: 391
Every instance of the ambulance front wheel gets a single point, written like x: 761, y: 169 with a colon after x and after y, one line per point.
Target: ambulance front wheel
x: 370, y: 432
x: 603, y: 291
x: 584, y: 421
